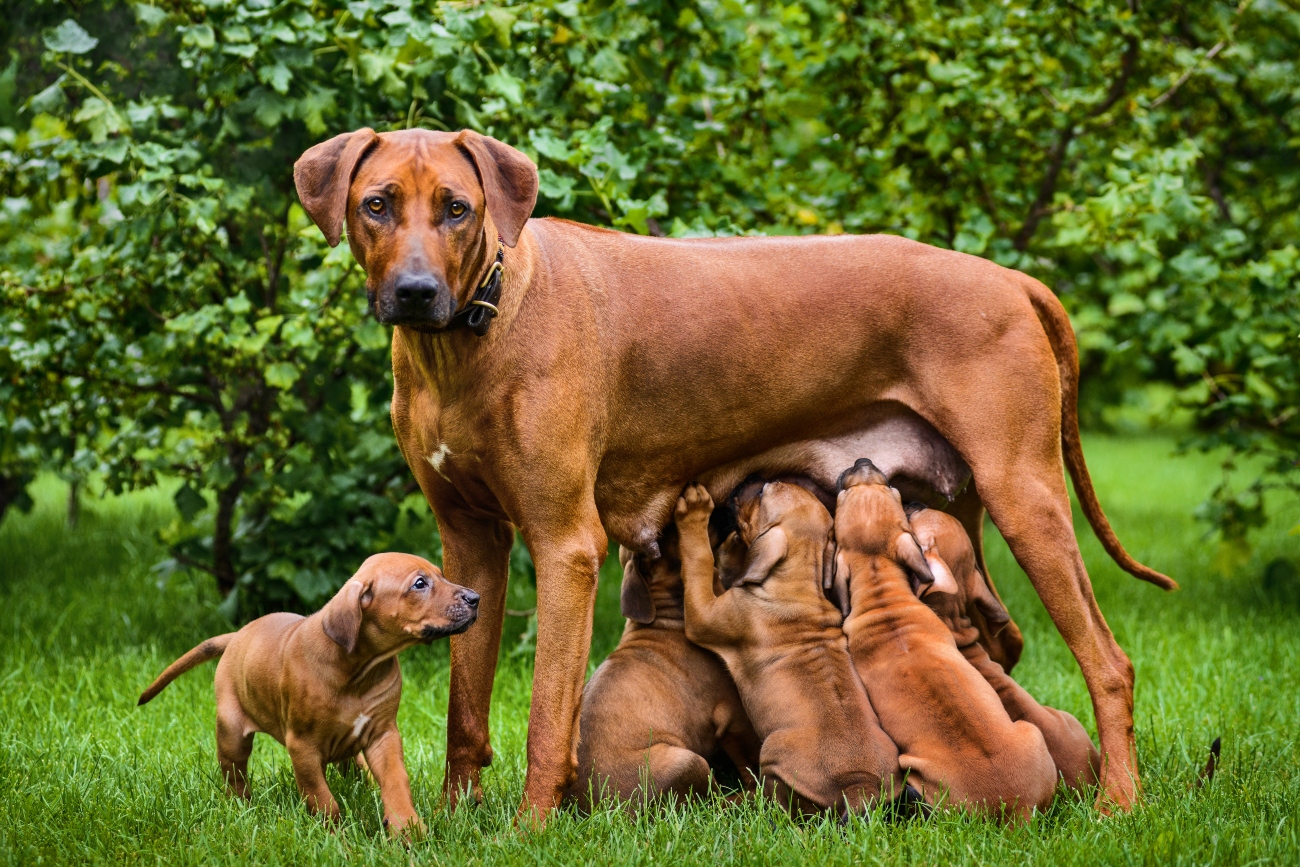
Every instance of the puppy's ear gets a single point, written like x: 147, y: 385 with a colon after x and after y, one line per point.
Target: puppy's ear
x: 768, y: 550
x: 635, y: 600
x: 323, y: 176
x: 729, y: 559
x: 509, y: 182
x: 909, y: 554
x: 995, y: 613
x: 840, y: 582
x: 944, y: 582
x: 341, y: 616
x: 828, y: 561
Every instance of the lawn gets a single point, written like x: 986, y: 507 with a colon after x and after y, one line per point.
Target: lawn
x: 86, y: 776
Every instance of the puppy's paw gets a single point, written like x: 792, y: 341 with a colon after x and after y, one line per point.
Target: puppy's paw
x: 407, y: 829
x: 694, y: 505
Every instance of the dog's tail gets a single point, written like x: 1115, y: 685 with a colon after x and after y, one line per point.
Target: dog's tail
x: 1061, y: 335
x: 210, y: 649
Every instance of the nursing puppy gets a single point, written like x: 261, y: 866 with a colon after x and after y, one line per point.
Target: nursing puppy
x: 659, y: 707
x: 959, y: 589
x: 823, y: 747
x: 328, y: 686
x: 955, y: 741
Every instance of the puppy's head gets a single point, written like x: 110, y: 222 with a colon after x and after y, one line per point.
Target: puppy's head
x: 869, y: 520
x: 951, y: 557
x: 394, y: 601
x: 784, y: 532
x: 646, y: 576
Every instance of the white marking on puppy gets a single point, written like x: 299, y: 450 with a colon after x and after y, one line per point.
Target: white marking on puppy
x: 437, y: 458
x: 359, y: 724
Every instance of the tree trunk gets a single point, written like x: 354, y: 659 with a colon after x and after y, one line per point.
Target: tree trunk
x: 74, y: 503
x: 223, y: 564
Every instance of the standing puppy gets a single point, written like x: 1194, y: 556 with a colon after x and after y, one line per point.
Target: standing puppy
x: 782, y: 642
x: 658, y: 707
x: 959, y: 589
x: 955, y: 740
x: 328, y: 686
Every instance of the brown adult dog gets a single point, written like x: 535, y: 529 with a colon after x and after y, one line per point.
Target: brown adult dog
x: 328, y: 686
x: 955, y: 741
x: 958, y: 589
x: 575, y: 414
x: 659, y: 707
x: 781, y: 639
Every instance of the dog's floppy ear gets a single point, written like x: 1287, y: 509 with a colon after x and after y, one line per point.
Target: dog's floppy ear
x: 729, y: 559
x: 840, y: 582
x: 341, y: 616
x: 323, y: 176
x: 995, y: 613
x: 944, y: 582
x: 635, y: 600
x: 768, y: 550
x: 909, y: 554
x: 509, y: 182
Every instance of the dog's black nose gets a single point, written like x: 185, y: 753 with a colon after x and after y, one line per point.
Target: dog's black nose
x: 469, y: 597
x: 413, y: 290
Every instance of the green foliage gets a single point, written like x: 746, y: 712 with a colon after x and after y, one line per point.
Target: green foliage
x: 170, y: 313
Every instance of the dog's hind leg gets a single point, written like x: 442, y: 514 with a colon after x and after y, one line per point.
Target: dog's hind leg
x: 1011, y: 438
x: 676, y: 770
x: 234, y: 745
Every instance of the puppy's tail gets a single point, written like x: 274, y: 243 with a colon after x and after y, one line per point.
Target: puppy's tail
x: 210, y: 649
x: 1061, y: 335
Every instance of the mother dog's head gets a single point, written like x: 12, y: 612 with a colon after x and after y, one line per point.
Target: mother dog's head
x: 423, y: 211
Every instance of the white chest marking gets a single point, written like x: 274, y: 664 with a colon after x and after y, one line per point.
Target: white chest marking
x: 359, y: 724
x: 437, y: 459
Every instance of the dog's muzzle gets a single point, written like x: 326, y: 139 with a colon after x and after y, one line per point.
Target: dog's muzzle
x: 414, y: 300
x: 461, y: 615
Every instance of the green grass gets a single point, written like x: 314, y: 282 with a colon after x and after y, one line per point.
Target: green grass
x: 86, y: 776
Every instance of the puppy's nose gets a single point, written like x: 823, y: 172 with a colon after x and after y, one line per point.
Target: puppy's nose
x: 469, y: 597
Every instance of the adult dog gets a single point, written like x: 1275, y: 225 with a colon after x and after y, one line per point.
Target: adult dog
x: 618, y: 368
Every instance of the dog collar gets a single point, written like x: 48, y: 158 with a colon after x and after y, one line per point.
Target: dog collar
x: 478, y: 314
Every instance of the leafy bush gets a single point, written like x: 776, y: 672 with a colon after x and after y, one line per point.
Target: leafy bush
x: 170, y: 312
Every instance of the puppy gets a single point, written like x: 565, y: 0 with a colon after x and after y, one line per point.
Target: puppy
x: 659, y: 707
x: 781, y: 640
x: 958, y: 589
x: 956, y: 743
x: 328, y: 686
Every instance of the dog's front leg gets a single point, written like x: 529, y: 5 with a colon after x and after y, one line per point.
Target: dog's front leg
x: 309, y: 773
x: 706, y: 613
x: 384, y: 756
x: 568, y: 563
x: 475, y: 554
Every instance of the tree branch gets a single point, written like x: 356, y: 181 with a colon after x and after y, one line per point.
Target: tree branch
x: 1056, y: 158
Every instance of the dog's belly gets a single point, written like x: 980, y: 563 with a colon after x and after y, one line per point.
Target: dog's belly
x: 906, y: 448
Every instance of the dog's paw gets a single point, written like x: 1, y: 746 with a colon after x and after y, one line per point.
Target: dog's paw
x: 694, y: 505
x: 407, y: 829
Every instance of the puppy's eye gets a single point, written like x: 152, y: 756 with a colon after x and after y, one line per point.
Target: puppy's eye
x: 457, y: 210
x: 376, y: 206
x: 420, y: 583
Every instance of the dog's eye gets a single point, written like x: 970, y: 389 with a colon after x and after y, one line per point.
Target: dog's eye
x: 376, y: 206
x: 420, y: 583
x: 457, y: 210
